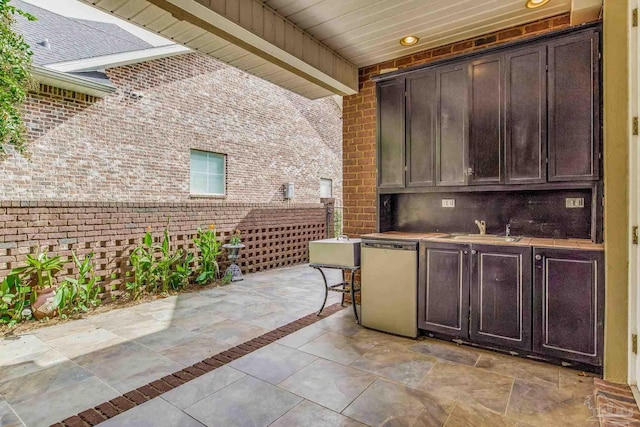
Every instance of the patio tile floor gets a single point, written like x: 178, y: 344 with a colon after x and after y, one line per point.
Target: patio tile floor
x: 332, y: 373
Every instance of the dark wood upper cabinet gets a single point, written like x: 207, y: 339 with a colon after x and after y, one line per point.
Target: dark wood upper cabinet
x: 391, y: 152
x: 526, y: 121
x: 574, y: 124
x: 568, y: 304
x: 501, y: 295
x: 486, y: 120
x: 443, y: 289
x: 421, y: 108
x: 527, y: 114
x: 452, y: 127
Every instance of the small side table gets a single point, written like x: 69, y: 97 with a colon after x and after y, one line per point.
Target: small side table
x: 342, y: 287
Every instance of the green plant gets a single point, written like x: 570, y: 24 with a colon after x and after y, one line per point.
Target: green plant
x: 13, y: 298
x: 226, y: 279
x: 182, y: 270
x: 39, y: 271
x: 337, y: 222
x: 235, y: 238
x: 143, y: 263
x: 166, y: 265
x: 15, y: 78
x: 209, y: 246
x: 81, y: 293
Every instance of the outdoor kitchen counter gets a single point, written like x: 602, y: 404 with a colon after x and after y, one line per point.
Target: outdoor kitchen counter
x: 538, y: 242
x: 399, y: 235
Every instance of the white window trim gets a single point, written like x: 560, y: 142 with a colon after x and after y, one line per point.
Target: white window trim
x: 224, y: 175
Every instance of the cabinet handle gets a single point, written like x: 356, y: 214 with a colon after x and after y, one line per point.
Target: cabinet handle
x: 538, y: 257
x: 473, y: 252
x: 465, y: 252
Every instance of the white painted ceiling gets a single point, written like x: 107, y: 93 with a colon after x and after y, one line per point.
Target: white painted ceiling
x: 357, y: 33
x: 367, y: 32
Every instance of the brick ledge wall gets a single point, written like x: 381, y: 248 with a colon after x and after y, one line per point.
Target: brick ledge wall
x: 275, y: 234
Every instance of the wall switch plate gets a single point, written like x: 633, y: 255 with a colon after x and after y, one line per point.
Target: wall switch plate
x: 574, y: 202
x: 448, y: 203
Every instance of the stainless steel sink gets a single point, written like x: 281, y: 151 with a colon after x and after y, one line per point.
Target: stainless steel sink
x: 484, y: 237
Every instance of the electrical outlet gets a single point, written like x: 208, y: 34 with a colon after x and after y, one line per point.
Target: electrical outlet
x: 574, y: 202
x: 448, y: 203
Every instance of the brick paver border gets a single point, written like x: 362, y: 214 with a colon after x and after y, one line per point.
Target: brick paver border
x: 133, y: 398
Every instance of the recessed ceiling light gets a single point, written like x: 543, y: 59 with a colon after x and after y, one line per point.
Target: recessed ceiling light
x: 409, y: 40
x: 532, y: 4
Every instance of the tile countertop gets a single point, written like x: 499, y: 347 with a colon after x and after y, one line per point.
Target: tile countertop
x: 583, y: 244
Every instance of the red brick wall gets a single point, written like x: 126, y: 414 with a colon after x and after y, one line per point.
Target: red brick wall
x: 359, y: 120
x: 134, y: 144
x: 275, y: 235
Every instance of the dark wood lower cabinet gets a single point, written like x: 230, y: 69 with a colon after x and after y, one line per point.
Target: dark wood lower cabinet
x: 568, y: 296
x: 545, y: 301
x: 501, y: 296
x: 443, y: 305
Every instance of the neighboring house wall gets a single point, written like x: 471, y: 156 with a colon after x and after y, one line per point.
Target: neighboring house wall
x: 133, y: 145
x: 102, y: 170
x: 359, y: 124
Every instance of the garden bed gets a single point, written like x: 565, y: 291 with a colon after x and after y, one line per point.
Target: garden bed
x: 117, y: 301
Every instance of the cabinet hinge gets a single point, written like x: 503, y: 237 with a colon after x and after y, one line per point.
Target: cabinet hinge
x: 634, y: 126
x: 634, y: 343
x: 634, y: 235
x: 634, y: 17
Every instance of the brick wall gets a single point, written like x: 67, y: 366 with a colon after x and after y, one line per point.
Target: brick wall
x: 133, y: 145
x: 359, y: 120
x: 275, y: 235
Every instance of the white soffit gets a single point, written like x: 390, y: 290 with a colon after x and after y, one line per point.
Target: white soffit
x: 367, y: 32
x: 249, y: 36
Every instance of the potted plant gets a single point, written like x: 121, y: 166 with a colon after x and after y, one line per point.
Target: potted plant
x: 39, y: 274
x: 233, y: 253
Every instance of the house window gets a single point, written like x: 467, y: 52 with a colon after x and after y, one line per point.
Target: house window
x: 207, y: 173
x: 326, y: 188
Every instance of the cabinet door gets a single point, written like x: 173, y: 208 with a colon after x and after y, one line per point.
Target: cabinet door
x: 443, y: 293
x: 574, y: 128
x: 421, y: 128
x: 526, y: 120
x: 568, y: 304
x: 486, y: 120
x: 501, y: 295
x: 391, y: 134
x: 452, y: 128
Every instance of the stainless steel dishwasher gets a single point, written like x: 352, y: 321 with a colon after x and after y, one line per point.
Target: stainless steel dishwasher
x: 389, y: 291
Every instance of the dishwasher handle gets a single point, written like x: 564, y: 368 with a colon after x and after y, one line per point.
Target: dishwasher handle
x: 402, y: 246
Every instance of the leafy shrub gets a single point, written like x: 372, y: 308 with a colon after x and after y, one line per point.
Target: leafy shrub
x: 157, y: 269
x: 75, y: 295
x: 209, y: 246
x: 143, y: 263
x: 13, y: 298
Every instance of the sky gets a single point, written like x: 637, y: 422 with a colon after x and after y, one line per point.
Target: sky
x: 77, y: 9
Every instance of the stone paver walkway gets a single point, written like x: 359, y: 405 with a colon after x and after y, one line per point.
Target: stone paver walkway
x: 332, y: 373
x: 336, y: 373
x: 58, y: 371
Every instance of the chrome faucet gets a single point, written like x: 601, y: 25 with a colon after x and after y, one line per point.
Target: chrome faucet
x: 508, y: 230
x: 482, y: 226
